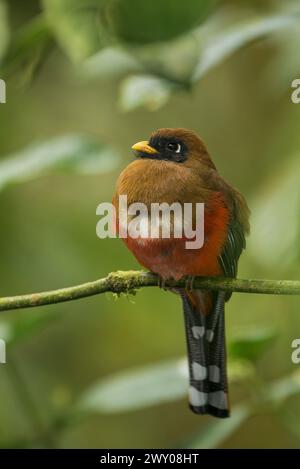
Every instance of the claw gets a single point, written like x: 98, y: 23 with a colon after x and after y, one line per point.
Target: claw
x: 189, y: 282
x: 161, y: 282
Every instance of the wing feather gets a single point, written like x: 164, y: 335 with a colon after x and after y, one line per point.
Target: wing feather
x: 235, y: 243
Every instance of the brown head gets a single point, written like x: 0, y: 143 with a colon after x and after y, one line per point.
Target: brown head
x: 174, y: 145
x: 173, y: 165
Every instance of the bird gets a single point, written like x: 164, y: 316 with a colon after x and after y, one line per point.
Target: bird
x: 174, y: 166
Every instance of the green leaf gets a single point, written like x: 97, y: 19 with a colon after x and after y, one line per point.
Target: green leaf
x: 277, y: 393
x: 220, y: 40
x: 274, y: 393
x: 174, y: 60
x: 142, y: 387
x: 72, y: 153
x: 148, y: 21
x: 275, y: 208
x: 170, y: 66
x: 240, y: 369
x: 110, y: 62
x: 218, y: 431
x: 28, y: 48
x: 281, y: 389
x: 146, y: 386
x: 146, y: 91
x: 16, y: 330
x: 251, y: 344
x: 77, y: 25
x: 178, y: 64
x: 4, y: 31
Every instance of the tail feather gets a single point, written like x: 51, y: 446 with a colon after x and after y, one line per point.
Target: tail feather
x: 205, y: 334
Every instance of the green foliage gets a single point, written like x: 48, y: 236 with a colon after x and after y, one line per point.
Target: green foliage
x: 284, y: 388
x: 4, y: 31
x: 275, y: 393
x: 150, y: 64
x: 138, y: 91
x: 110, y: 62
x: 136, y: 389
x: 77, y: 25
x: 27, y: 50
x: 82, y: 28
x: 18, y: 329
x: 139, y: 22
x: 224, y: 38
x: 167, y: 381
x: 208, y: 47
x: 171, y: 43
x: 215, y: 433
x: 273, y: 211
x: 251, y: 344
x: 73, y: 153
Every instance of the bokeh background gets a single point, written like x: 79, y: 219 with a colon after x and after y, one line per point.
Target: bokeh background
x: 85, y: 80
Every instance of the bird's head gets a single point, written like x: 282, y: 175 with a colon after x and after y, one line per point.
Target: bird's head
x: 180, y: 146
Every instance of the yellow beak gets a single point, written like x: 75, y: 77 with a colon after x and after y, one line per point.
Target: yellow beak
x: 144, y: 147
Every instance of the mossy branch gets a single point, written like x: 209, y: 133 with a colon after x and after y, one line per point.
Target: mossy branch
x: 128, y: 282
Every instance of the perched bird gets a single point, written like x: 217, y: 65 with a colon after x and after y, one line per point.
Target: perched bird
x: 175, y: 166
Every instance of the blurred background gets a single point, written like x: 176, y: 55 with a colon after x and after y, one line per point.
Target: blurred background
x: 85, y: 80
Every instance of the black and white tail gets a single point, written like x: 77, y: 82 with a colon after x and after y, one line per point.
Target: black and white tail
x: 205, y: 334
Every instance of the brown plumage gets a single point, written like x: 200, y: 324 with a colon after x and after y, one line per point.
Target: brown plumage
x: 174, y: 166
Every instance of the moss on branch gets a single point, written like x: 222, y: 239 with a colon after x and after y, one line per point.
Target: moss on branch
x: 130, y: 281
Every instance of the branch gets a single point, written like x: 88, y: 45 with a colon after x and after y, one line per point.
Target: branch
x: 128, y: 282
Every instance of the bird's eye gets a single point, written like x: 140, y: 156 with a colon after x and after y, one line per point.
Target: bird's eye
x: 174, y: 147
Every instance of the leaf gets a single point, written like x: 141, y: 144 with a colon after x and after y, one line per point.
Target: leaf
x: 27, y: 50
x: 77, y: 26
x: 274, y: 393
x: 282, y: 389
x: 218, y: 431
x: 4, y: 31
x: 110, y: 62
x: 144, y: 387
x: 175, y: 60
x: 251, y: 344
x: 73, y: 153
x: 275, y: 208
x: 218, y: 46
x: 16, y: 330
x: 146, y: 91
x: 240, y: 369
x: 285, y: 63
x: 156, y: 20
x: 178, y: 64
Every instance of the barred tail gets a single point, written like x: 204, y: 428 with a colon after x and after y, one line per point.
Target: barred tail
x: 205, y: 334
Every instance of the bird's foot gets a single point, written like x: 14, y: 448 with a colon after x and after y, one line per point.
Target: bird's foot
x: 161, y: 282
x: 189, y: 282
